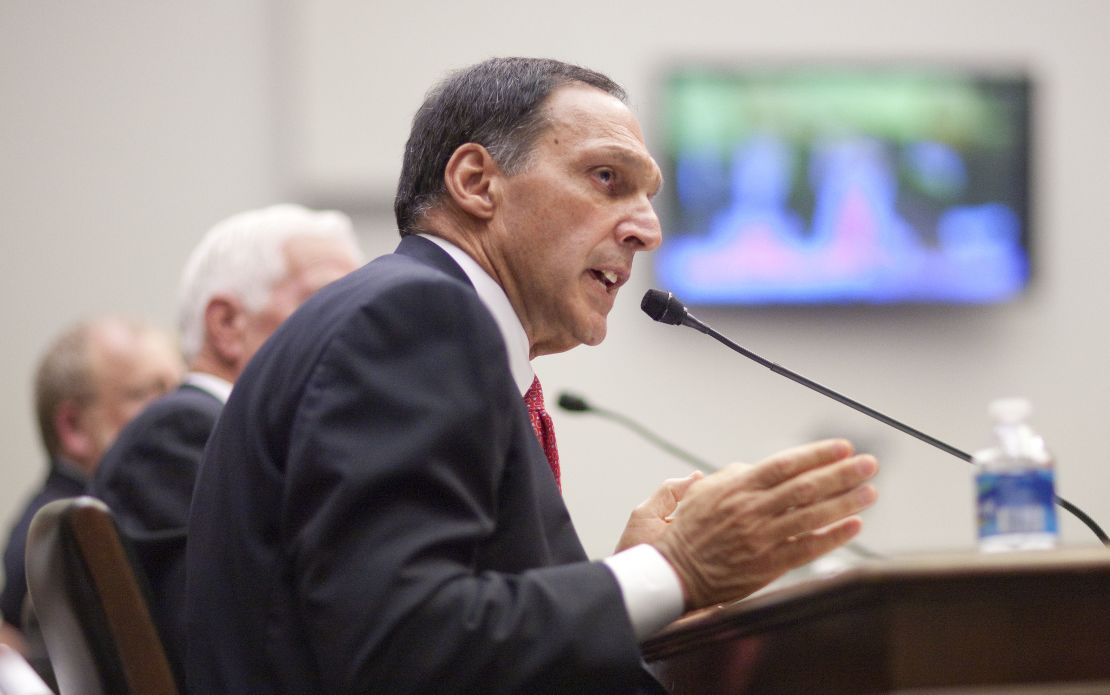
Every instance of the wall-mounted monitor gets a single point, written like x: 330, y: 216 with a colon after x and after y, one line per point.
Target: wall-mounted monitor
x: 845, y: 185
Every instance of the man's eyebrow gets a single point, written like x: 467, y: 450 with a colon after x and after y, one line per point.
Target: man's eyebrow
x: 626, y: 154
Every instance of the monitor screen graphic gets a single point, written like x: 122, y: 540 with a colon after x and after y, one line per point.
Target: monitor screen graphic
x: 837, y: 185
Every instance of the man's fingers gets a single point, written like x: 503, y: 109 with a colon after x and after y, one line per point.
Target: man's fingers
x: 742, y: 527
x: 664, y: 500
x: 808, y: 547
x: 790, y: 463
x: 803, y: 520
x: 813, y: 486
x: 679, y: 486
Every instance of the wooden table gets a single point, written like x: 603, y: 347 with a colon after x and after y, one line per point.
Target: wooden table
x: 1017, y: 622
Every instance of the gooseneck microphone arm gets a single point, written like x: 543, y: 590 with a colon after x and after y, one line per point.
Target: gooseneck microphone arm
x: 664, y: 307
x: 577, y: 404
x: 675, y: 313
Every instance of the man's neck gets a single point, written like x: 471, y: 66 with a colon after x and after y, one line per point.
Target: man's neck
x: 465, y: 241
x: 207, y: 363
x: 70, y: 468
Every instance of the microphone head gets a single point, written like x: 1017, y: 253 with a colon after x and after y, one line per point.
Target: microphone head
x: 573, y: 402
x: 663, y: 307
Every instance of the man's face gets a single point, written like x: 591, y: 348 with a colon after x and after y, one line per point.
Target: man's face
x: 311, y: 263
x: 129, y: 369
x: 569, y: 224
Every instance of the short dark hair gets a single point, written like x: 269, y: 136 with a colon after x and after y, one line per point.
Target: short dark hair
x: 496, y: 104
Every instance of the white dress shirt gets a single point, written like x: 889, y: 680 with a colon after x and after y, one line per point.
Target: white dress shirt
x: 211, y: 384
x: 651, y: 589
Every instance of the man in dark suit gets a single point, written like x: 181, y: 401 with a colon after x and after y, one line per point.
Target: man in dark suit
x: 246, y: 275
x: 378, y: 511
x: 91, y: 381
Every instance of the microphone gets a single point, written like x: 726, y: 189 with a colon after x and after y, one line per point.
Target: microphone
x: 664, y: 307
x: 577, y: 404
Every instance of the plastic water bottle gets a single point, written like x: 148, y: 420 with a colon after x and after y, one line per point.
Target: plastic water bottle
x: 1015, y: 484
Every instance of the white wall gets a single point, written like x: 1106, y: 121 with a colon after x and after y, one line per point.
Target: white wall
x: 127, y: 128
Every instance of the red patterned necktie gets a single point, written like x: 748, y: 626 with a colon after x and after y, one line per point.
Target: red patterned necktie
x: 545, y: 431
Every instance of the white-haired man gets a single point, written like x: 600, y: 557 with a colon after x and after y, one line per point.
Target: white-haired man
x: 245, y: 277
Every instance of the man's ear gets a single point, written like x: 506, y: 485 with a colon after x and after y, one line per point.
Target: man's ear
x: 74, y: 439
x: 224, y: 328
x: 468, y: 177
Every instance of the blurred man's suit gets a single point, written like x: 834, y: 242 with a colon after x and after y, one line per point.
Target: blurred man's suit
x: 62, y: 481
x: 146, y: 478
x: 403, y: 531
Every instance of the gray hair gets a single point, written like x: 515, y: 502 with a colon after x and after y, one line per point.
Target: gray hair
x: 243, y: 256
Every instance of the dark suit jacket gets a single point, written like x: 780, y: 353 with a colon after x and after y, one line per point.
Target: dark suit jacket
x: 146, y: 478
x: 374, y: 513
x: 61, y: 482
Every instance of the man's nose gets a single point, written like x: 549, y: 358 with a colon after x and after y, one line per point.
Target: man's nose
x: 642, y: 229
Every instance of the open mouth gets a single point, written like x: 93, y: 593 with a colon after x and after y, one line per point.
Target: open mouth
x: 606, y: 277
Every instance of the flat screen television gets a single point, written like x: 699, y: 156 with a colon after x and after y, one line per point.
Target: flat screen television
x: 845, y: 185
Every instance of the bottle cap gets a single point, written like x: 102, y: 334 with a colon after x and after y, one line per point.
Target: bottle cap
x: 1010, y: 411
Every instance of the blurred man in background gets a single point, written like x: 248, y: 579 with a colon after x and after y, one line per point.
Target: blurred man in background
x: 92, y: 380
x: 244, y: 278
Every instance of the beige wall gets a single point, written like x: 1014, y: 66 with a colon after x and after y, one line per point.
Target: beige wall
x: 127, y: 128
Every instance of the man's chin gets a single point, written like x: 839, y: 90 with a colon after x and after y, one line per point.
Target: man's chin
x: 595, y: 341
x: 592, y: 338
x: 595, y: 336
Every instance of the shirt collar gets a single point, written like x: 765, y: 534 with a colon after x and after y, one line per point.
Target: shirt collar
x: 210, y: 384
x: 495, y: 299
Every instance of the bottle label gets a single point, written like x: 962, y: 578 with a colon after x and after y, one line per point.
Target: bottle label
x: 1011, y: 503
